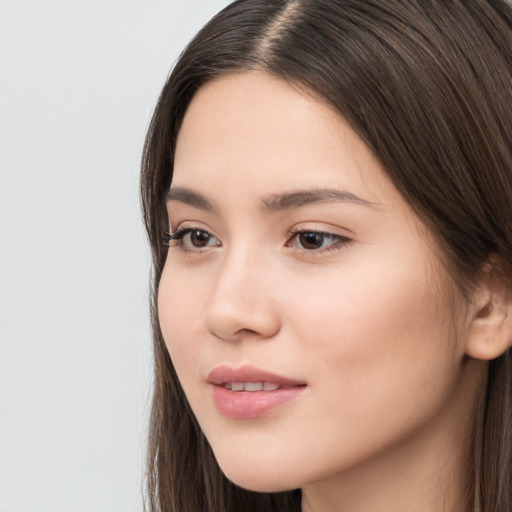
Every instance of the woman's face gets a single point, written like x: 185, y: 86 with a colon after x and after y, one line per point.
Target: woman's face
x: 301, y: 301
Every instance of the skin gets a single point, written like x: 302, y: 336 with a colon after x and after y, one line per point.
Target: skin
x: 368, y: 320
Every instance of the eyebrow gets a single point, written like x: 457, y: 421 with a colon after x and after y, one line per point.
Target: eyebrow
x: 291, y: 200
x: 274, y: 202
x: 187, y: 196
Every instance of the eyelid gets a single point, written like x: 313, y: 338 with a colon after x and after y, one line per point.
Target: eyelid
x: 176, y: 239
x: 321, y: 228
x: 341, y: 241
x: 176, y: 228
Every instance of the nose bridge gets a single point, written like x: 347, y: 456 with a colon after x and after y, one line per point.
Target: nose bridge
x: 242, y: 300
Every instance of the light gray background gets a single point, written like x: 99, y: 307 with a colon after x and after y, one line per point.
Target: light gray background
x: 78, y: 82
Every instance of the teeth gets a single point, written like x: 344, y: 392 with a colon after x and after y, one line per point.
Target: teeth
x: 251, y: 386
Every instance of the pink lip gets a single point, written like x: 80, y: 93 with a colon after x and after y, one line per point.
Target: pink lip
x: 250, y: 404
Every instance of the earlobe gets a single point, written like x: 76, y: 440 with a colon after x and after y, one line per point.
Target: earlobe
x: 490, y: 333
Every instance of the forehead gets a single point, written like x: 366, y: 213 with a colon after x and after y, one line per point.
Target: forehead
x: 255, y: 134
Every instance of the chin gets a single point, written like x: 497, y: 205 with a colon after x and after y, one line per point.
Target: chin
x: 258, y: 479
x: 256, y: 483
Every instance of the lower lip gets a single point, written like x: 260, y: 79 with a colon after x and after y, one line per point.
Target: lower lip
x: 246, y: 405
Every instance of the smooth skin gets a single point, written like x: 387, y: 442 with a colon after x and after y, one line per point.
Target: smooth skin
x: 340, y: 289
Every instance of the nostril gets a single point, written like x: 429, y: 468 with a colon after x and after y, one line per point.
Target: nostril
x: 241, y: 324
x: 246, y: 332
x: 235, y: 336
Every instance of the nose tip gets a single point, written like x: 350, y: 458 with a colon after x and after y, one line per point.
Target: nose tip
x: 242, y: 306
x: 236, y: 325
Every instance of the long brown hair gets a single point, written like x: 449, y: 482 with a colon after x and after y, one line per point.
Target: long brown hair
x: 427, y: 85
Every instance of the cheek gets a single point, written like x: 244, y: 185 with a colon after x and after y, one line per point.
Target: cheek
x: 362, y: 307
x: 376, y: 353
x: 376, y: 338
x: 178, y: 299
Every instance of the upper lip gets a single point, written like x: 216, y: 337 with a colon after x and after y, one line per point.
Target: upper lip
x: 247, y: 373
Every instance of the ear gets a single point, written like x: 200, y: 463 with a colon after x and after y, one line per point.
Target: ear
x: 490, y: 333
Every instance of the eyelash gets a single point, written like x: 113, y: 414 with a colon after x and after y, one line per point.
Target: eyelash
x: 339, y: 243
x: 176, y: 239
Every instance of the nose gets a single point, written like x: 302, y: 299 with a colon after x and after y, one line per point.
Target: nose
x: 242, y: 304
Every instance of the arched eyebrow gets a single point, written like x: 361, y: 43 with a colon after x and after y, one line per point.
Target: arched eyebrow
x: 274, y: 202
x: 301, y: 198
x: 187, y: 196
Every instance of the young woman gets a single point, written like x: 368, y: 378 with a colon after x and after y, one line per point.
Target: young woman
x: 327, y: 187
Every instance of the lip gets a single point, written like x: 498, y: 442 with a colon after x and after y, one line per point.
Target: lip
x: 250, y: 404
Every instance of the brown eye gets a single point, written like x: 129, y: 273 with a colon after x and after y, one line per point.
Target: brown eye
x: 311, y: 240
x: 317, y: 242
x: 199, y: 238
x: 193, y: 240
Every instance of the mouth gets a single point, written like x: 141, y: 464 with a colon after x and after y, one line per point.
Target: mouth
x: 249, y: 378
x: 249, y: 392
x: 253, y: 386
